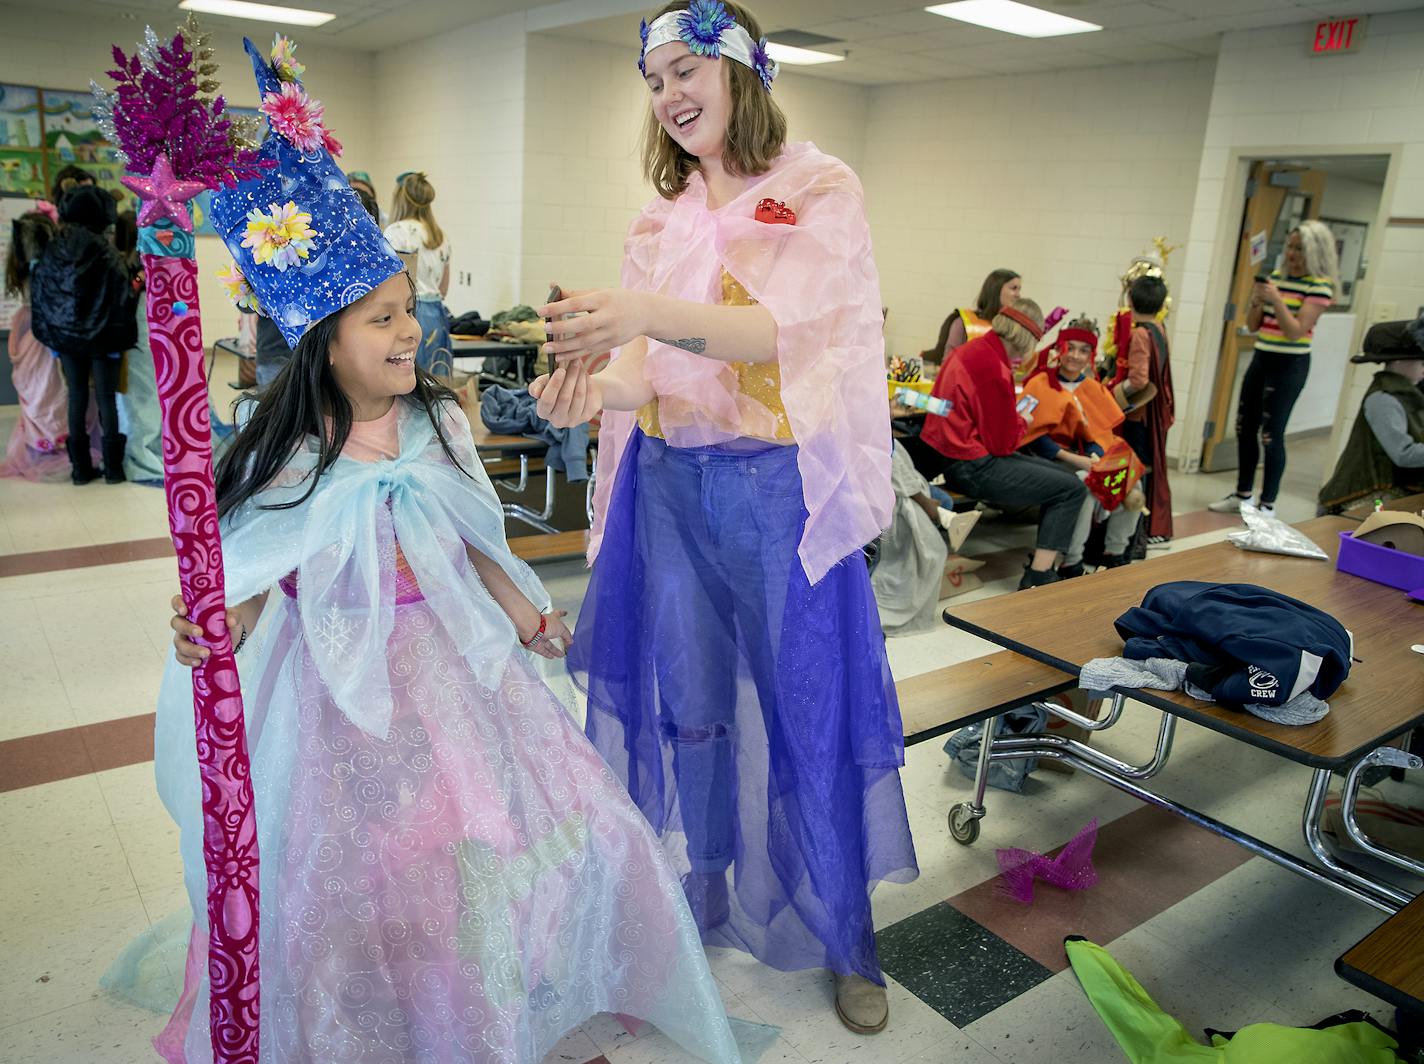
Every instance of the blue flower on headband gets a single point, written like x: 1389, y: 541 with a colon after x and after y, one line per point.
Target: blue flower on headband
x: 701, y: 27
x: 762, y: 64
x: 643, y: 54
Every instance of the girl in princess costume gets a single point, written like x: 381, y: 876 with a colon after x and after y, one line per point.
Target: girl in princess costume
x: 729, y: 643
x: 448, y: 872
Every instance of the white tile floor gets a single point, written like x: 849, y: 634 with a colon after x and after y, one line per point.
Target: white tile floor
x: 92, y: 861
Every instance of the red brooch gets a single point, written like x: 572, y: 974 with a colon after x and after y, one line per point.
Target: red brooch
x: 774, y: 212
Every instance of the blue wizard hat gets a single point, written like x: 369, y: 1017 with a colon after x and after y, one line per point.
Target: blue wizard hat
x: 303, y: 245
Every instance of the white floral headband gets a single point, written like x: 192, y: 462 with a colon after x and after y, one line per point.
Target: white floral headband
x: 707, y: 29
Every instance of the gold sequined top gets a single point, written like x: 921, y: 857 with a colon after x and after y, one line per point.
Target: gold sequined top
x: 757, y: 385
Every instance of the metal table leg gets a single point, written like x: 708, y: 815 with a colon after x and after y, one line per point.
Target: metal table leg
x: 1330, y: 872
x: 1310, y: 824
x: 537, y: 520
x: 964, y: 817
x: 1394, y: 758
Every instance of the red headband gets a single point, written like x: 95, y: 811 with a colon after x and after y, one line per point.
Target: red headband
x: 1083, y: 336
x: 1024, y: 320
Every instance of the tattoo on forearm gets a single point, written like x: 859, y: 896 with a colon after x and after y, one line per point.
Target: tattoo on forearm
x: 696, y: 344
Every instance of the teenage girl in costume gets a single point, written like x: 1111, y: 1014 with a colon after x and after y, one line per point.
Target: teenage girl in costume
x: 729, y: 642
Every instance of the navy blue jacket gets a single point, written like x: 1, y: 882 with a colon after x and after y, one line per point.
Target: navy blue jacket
x: 1242, y: 643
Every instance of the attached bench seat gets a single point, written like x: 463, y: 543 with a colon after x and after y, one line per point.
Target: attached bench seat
x: 946, y: 699
x: 550, y: 546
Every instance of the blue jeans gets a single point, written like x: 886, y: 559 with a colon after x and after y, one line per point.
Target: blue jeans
x: 1272, y: 384
x: 434, y: 321
x: 730, y: 514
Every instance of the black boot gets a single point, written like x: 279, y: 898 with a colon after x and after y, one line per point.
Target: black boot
x: 1113, y: 561
x: 1068, y: 572
x: 81, y: 464
x: 1035, y: 578
x: 114, y: 458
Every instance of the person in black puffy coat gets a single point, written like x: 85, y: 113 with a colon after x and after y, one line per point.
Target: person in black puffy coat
x: 82, y: 306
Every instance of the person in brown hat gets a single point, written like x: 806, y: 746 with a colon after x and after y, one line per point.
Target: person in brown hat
x: 1384, y: 456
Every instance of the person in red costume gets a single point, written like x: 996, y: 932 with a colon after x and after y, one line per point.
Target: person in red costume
x: 977, y: 441
x: 1142, y: 387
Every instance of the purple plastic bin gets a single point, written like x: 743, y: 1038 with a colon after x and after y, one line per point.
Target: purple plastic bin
x: 1393, y: 568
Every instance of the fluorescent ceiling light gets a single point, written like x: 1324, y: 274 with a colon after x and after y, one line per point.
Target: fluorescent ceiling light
x: 292, y: 16
x: 784, y: 53
x: 1011, y: 17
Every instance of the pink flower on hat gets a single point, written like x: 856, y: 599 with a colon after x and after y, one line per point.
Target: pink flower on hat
x: 296, y: 116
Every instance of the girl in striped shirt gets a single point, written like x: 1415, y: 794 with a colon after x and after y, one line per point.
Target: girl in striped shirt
x: 1283, y: 314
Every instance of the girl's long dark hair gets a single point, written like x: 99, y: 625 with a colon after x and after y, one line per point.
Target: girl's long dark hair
x: 30, y: 234
x: 295, y: 405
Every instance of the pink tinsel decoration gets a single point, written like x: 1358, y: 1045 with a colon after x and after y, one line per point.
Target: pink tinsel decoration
x: 159, y: 112
x: 1072, y: 869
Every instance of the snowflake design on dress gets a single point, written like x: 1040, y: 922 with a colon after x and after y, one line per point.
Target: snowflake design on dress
x: 333, y: 633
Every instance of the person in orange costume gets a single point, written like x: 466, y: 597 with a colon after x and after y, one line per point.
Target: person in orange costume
x: 1074, y: 423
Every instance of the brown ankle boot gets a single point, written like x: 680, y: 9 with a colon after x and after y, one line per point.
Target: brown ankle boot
x: 861, y: 1004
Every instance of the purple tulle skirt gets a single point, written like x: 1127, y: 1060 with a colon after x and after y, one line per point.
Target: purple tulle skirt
x: 752, y: 715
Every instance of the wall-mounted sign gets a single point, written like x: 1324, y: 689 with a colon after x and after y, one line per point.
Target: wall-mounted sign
x: 1258, y: 248
x: 1336, y: 35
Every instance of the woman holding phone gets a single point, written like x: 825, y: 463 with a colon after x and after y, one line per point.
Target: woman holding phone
x: 1284, y: 309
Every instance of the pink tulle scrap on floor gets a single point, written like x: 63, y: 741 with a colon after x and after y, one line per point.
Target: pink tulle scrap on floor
x: 1072, y: 869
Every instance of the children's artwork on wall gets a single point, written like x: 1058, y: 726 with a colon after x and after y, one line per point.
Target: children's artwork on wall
x: 42, y: 131
x: 71, y: 137
x: 21, y: 142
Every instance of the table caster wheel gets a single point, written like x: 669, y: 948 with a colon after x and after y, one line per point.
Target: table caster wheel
x: 963, y: 824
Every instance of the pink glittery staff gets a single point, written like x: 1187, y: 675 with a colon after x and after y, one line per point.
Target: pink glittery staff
x: 168, y: 130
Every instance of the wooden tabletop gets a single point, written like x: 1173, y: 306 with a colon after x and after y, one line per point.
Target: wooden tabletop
x: 1068, y: 623
x: 1389, y: 961
x: 1409, y: 504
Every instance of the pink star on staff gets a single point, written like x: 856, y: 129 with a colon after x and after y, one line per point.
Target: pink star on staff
x: 163, y: 195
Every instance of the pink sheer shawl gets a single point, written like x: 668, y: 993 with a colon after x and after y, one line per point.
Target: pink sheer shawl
x: 818, y: 280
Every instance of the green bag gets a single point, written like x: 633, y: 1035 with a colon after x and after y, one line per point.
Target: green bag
x: 1148, y: 1035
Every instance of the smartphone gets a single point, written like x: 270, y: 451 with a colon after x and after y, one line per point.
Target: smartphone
x: 1262, y: 279
x: 1026, y: 405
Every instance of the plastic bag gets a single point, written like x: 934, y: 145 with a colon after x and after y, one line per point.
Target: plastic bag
x: 1273, y: 536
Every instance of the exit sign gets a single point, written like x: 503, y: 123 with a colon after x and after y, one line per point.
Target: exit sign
x: 1336, y: 35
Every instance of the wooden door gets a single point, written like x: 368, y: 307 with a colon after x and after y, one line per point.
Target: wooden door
x: 1278, y: 197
